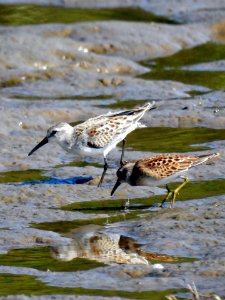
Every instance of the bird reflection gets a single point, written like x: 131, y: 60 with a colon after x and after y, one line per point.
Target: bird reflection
x: 92, y: 243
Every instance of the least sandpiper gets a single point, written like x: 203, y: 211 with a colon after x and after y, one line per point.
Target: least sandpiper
x: 158, y: 170
x: 97, y: 135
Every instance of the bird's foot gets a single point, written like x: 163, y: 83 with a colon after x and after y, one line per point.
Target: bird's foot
x: 126, y: 204
x: 162, y: 205
x: 171, y: 195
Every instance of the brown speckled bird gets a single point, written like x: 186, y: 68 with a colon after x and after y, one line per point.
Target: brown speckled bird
x: 160, y: 169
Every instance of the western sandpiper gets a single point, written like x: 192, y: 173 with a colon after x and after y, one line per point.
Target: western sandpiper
x: 158, y: 170
x: 97, y: 135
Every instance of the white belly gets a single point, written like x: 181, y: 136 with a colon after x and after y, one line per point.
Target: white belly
x: 87, y: 151
x: 151, y: 181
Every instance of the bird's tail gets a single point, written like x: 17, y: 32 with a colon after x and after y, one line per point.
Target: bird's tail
x: 138, y: 110
x: 204, y: 157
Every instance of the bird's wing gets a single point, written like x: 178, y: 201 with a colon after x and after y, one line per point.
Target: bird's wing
x: 161, y: 166
x: 137, y: 112
x: 105, y: 129
x: 102, y: 131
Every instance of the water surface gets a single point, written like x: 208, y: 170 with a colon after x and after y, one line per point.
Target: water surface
x: 169, y: 68
x: 28, y: 14
x: 30, y: 285
x: 167, y: 139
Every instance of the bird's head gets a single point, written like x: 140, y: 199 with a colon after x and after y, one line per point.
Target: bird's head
x: 123, y: 175
x: 59, y: 133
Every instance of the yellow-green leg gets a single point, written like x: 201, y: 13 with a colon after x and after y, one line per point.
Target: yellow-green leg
x: 173, y: 194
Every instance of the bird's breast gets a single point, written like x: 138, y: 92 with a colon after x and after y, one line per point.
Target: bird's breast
x: 146, y: 181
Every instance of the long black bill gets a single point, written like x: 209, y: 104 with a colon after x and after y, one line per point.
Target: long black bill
x: 42, y: 143
x: 118, y: 183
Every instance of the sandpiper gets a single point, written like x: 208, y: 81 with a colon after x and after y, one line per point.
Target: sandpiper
x: 158, y: 170
x: 97, y: 135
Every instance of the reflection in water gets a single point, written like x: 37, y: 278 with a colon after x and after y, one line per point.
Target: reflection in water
x: 90, y: 242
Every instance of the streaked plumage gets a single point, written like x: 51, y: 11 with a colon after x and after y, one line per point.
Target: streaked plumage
x: 159, y: 169
x: 91, y: 243
x: 97, y: 135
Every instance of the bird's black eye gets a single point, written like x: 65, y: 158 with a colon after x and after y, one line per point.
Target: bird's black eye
x: 121, y: 173
x: 53, y: 132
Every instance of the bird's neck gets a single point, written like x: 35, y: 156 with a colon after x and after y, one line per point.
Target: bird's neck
x: 66, y: 141
x: 134, y: 176
x: 129, y: 177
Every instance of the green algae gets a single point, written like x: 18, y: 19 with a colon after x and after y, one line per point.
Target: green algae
x: 210, y: 79
x: 194, y: 93
x: 168, y: 68
x: 66, y: 226
x: 80, y: 164
x: 21, y: 176
x: 166, y: 139
x: 66, y: 97
x: 11, y: 284
x: 17, y: 80
x: 28, y: 14
x: 207, y: 52
x: 202, y: 189
x: 10, y: 82
x: 112, y: 206
x: 40, y: 258
x: 193, y: 190
x: 127, y: 104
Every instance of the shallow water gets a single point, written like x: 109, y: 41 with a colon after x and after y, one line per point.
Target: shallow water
x: 169, y: 68
x: 30, y: 285
x: 25, y: 14
x: 194, y: 190
x: 210, y: 79
x: 40, y: 258
x: 165, y: 139
x: 191, y: 56
x: 21, y: 176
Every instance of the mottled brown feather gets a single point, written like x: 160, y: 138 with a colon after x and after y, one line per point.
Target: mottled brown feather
x: 162, y: 166
x: 103, y: 130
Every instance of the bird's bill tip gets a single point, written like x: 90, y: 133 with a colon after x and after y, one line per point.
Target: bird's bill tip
x: 42, y: 143
x: 153, y: 105
x: 118, y: 183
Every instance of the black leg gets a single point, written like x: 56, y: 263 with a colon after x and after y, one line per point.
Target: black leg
x: 162, y: 204
x: 104, y: 171
x: 167, y: 196
x: 122, y: 154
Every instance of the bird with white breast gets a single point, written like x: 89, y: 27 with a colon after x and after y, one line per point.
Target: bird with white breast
x: 97, y: 135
